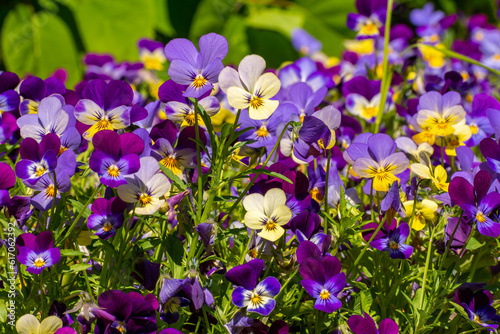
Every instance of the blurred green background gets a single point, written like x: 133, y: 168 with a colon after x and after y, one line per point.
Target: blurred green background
x: 39, y: 36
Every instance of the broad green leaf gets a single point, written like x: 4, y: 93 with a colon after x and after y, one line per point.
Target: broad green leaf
x: 174, y: 249
x: 263, y: 171
x: 71, y: 252
x: 38, y: 44
x: 115, y: 26
x: 209, y: 17
x: 235, y: 33
x: 275, y: 19
x: 162, y: 18
x: 173, y: 178
x: 79, y: 267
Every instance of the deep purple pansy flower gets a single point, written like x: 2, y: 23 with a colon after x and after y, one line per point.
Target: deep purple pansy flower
x: 9, y: 98
x: 198, y: 70
x: 371, y: 18
x: 478, y: 201
x: 7, y: 181
x: 366, y: 325
x: 170, y: 299
x: 115, y: 156
x: 477, y: 304
x: 37, y: 253
x: 392, y: 239
x: 34, y: 89
x: 256, y: 296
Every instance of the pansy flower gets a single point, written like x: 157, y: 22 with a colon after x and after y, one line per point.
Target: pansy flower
x: 478, y: 306
x: 366, y: 325
x: 363, y: 97
x: 376, y: 160
x: 267, y: 213
x: 250, y: 293
x: 197, y: 70
x: 423, y: 211
x: 392, y: 239
x: 37, y: 159
x: 7, y: 181
x: 440, y: 114
x: 9, y: 98
x: 407, y: 145
x: 250, y: 88
x: 145, y: 188
x: 34, y: 89
x: 304, y: 43
x: 115, y: 156
x: 262, y: 132
x: 491, y: 152
x: 478, y: 201
x: 458, y: 138
x: 425, y: 170
x: 322, y: 279
x: 170, y: 299
x: 105, y: 106
x: 304, y: 70
x: 48, y: 191
x: 370, y: 19
x: 37, y: 253
x: 107, y: 216
x: 151, y: 54
x: 29, y: 324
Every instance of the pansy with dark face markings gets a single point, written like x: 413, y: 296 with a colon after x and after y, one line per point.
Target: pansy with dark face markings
x: 37, y: 253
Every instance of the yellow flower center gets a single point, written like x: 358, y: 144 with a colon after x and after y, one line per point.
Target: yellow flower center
x: 50, y: 191
x: 473, y: 129
x: 113, y: 171
x: 324, y: 294
x: 496, y: 57
x: 107, y: 227
x: 145, y: 199
x: 270, y: 225
x: 39, y: 262
x: 121, y: 327
x: 40, y: 170
x: 253, y: 253
x: 477, y: 320
x: 256, y: 299
x: 480, y: 217
x: 370, y: 28
x: 199, y: 81
x: 370, y: 112
x: 256, y: 102
x: 393, y: 245
x: 262, y: 131
x: 316, y: 195
x: 104, y: 124
x: 62, y: 149
x: 152, y: 63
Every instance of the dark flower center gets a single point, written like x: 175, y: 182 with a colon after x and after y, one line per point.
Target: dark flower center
x: 393, y: 245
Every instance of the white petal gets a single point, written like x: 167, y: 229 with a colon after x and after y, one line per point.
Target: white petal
x: 27, y: 324
x: 238, y: 98
x: 267, y: 86
x: 273, y: 199
x: 264, y: 111
x: 229, y: 77
x: 250, y: 69
x: 255, y: 219
x: 254, y: 202
x: 49, y: 325
x: 282, y: 215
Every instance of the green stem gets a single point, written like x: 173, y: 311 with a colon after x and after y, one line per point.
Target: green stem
x: 72, y: 227
x: 366, y: 247
x: 198, y: 165
x: 466, y: 243
x: 427, y: 261
x: 386, y: 80
x: 54, y: 200
x: 326, y: 188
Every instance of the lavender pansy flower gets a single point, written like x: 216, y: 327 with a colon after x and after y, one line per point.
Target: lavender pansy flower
x: 145, y: 188
x: 440, y: 114
x: 250, y: 87
x: 198, y: 70
x: 250, y: 293
x: 304, y: 43
x: 304, y: 70
x: 370, y: 19
x: 115, y: 156
x: 107, y: 216
x: 303, y: 97
x: 37, y: 253
x: 171, y: 301
x: 263, y: 132
x: 48, y: 191
x: 151, y: 54
x: 363, y: 97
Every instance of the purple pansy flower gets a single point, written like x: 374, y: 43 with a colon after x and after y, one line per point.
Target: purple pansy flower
x: 9, y: 98
x: 263, y: 132
x: 7, y: 181
x: 106, y: 106
x: 322, y: 279
x: 304, y: 70
x: 392, y: 239
x: 477, y: 120
x: 115, y: 156
x: 171, y: 301
x: 366, y: 325
x: 363, y: 97
x: 37, y: 159
x: 198, y: 70
x: 151, y: 54
x: 38, y: 252
x: 133, y: 313
x: 304, y: 43
x: 257, y: 297
x: 47, y: 191
x: 107, y: 216
x: 477, y: 304
x: 478, y: 201
x: 371, y: 18
x: 302, y: 96
x: 491, y: 152
x: 34, y: 89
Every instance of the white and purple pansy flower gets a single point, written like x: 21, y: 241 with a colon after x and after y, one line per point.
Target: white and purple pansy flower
x: 198, y: 70
x: 363, y: 97
x: 115, y: 156
x: 34, y: 89
x: 371, y: 17
x: 250, y: 293
x: 145, y: 188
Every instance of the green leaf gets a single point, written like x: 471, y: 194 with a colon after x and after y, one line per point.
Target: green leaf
x: 71, y: 252
x: 115, y: 26
x: 209, y: 17
x: 38, y: 43
x: 276, y: 19
x: 3, y: 312
x: 173, y: 178
x: 236, y: 35
x: 174, y: 249
x: 262, y: 171
x: 76, y: 204
x: 79, y: 267
x: 474, y: 244
x: 162, y: 18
